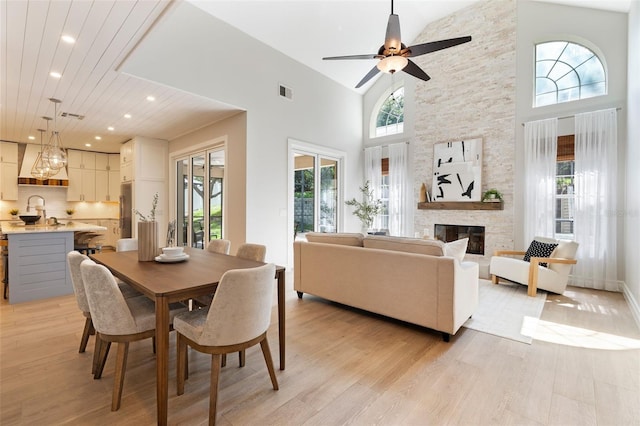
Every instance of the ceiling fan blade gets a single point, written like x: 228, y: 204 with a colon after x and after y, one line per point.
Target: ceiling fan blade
x: 368, y: 77
x: 392, y: 41
x: 331, y: 58
x: 416, y: 71
x: 433, y: 46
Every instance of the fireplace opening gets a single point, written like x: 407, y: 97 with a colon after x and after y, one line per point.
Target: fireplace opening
x: 448, y: 233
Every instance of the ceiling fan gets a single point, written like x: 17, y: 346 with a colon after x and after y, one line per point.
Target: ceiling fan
x: 393, y: 55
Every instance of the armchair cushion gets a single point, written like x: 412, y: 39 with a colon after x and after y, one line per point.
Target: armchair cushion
x: 539, y: 249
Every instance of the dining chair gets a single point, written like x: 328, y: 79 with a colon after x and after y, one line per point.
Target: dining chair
x: 117, y: 319
x: 219, y: 246
x: 74, y: 259
x: 127, y: 244
x: 238, y: 318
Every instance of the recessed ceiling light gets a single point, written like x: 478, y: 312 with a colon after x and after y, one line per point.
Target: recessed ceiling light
x: 98, y: 138
x: 127, y: 116
x: 87, y: 144
x: 110, y: 128
x: 32, y: 138
x: 55, y: 74
x: 68, y: 39
x: 151, y: 98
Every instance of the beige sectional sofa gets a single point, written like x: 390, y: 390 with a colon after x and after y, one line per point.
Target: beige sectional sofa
x: 408, y: 279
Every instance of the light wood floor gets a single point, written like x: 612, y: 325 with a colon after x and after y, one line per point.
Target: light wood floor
x: 343, y: 367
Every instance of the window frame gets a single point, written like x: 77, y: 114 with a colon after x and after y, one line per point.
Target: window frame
x: 399, y: 126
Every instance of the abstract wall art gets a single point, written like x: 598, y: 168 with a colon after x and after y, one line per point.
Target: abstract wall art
x: 457, y: 171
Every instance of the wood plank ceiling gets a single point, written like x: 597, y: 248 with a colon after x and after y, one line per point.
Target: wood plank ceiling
x: 90, y: 86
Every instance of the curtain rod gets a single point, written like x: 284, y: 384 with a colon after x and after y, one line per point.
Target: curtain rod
x: 570, y: 116
x: 386, y: 145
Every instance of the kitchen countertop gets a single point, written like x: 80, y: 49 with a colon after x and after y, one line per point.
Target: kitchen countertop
x: 18, y: 227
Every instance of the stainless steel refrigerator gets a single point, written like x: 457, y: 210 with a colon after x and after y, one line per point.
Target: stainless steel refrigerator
x: 126, y: 210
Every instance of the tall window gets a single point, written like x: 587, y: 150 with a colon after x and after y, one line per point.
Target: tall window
x: 567, y: 72
x: 565, y: 195
x: 315, y: 206
x: 199, y: 203
x: 390, y: 117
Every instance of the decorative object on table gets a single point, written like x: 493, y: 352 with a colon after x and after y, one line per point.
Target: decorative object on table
x: 70, y: 213
x: 492, y: 196
x: 14, y: 213
x: 367, y: 209
x: 29, y: 219
x: 457, y: 170
x: 148, y: 233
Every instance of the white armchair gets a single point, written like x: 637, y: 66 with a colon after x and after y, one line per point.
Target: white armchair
x: 553, y: 278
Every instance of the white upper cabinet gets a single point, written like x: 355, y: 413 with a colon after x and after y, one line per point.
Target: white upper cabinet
x: 9, y: 172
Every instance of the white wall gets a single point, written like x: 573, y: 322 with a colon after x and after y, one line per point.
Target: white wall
x: 606, y: 34
x: 632, y: 211
x: 200, y: 54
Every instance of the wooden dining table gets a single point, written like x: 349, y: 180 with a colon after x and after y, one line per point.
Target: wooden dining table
x: 166, y: 283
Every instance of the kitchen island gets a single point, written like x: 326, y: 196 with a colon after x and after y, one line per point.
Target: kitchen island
x: 38, y: 258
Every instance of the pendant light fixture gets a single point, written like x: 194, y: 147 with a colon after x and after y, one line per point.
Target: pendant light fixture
x: 54, y: 153
x: 41, y: 169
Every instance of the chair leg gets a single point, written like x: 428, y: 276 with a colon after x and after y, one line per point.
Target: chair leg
x: 241, y: 358
x: 181, y: 360
x: 264, y: 345
x: 88, y: 330
x: 224, y: 360
x: 213, y: 395
x: 102, y: 359
x: 118, y: 381
x: 96, y: 353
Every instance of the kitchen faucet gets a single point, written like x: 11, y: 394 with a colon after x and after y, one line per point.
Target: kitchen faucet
x: 44, y: 212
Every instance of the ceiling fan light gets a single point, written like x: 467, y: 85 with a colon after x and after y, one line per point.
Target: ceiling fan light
x: 392, y: 64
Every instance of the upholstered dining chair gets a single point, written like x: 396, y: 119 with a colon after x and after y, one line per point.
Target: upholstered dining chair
x: 545, y: 265
x: 219, y: 246
x: 117, y: 319
x: 74, y: 259
x: 251, y: 251
x: 238, y: 318
x: 127, y: 244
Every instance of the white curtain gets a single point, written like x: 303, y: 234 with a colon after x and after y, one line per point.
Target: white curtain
x: 595, y: 194
x: 399, y: 190
x: 373, y: 174
x: 540, y: 151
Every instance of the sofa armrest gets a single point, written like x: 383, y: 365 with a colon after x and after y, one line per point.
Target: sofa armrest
x: 533, y: 270
x: 508, y: 252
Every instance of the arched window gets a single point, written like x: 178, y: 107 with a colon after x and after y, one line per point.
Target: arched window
x: 566, y: 72
x: 390, y: 118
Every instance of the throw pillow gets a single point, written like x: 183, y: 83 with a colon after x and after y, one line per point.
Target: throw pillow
x: 456, y: 249
x: 539, y: 249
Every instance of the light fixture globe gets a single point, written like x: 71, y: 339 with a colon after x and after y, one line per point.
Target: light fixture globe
x: 41, y: 169
x: 392, y: 64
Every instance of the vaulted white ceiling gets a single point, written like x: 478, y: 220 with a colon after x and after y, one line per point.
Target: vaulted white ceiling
x: 106, y: 31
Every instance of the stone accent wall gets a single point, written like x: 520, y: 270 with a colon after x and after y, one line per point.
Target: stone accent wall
x: 471, y: 94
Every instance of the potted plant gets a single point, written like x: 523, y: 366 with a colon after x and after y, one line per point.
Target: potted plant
x: 70, y: 212
x: 14, y: 213
x: 492, y: 195
x: 367, y: 209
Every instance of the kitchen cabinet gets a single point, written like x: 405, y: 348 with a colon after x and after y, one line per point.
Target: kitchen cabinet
x: 9, y: 172
x: 91, y: 177
x: 126, y: 162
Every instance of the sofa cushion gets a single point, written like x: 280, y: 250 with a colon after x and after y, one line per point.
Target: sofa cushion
x: 456, y: 249
x: 342, y: 238
x: 408, y: 245
x: 539, y: 249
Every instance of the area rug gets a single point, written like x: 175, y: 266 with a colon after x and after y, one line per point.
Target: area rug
x: 505, y: 310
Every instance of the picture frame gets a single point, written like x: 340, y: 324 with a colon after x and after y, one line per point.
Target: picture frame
x: 457, y: 171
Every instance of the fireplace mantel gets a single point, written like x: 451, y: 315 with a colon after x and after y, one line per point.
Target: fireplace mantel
x: 460, y: 205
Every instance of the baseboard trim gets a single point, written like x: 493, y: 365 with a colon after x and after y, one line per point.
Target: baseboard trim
x: 632, y: 302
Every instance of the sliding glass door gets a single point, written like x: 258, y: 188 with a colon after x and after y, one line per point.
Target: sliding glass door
x: 199, y: 197
x: 315, y: 193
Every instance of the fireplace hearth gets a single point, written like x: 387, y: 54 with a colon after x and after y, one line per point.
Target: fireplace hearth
x: 448, y: 233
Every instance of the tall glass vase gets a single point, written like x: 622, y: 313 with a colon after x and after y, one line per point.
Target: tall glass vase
x: 147, y: 241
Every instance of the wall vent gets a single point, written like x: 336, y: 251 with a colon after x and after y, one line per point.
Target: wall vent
x: 68, y: 114
x: 286, y: 92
